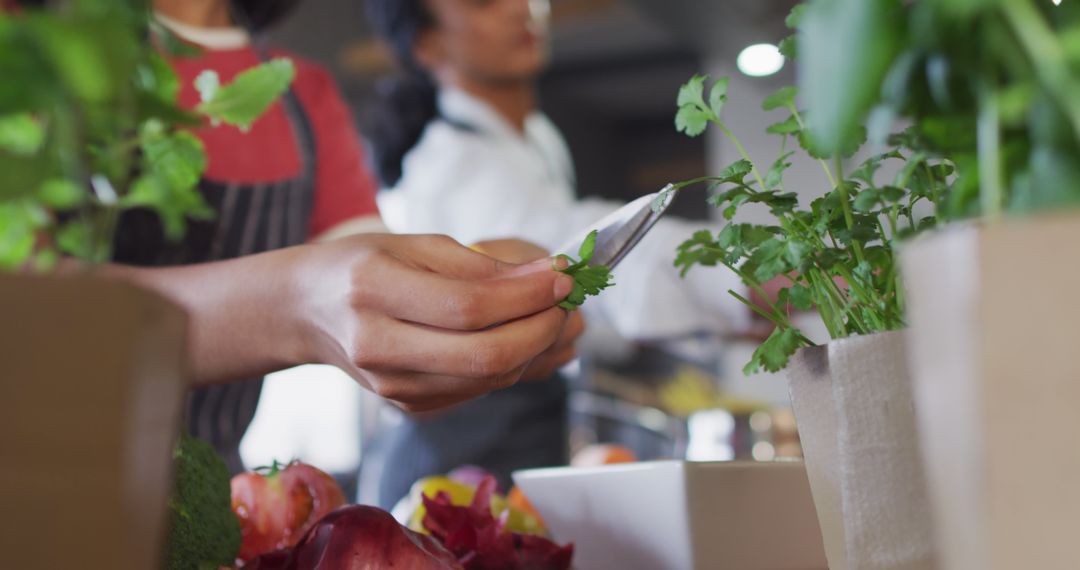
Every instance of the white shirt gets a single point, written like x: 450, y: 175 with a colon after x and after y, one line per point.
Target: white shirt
x: 489, y: 181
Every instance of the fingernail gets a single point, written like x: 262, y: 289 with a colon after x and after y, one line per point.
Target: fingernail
x: 564, y: 284
x: 543, y: 264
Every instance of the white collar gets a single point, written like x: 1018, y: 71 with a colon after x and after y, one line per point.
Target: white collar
x: 458, y: 106
x: 213, y: 38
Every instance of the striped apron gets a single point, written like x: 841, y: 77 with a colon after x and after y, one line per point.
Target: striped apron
x: 250, y: 219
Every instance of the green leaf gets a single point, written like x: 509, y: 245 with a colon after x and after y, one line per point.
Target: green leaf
x: 816, y: 149
x: 736, y: 172
x: 768, y: 260
x: 585, y: 252
x: 173, y: 205
x: 794, y: 18
x: 78, y: 56
x: 733, y: 197
x: 588, y: 280
x: 775, y: 176
x: 178, y: 158
x: 774, y: 353
x: 21, y: 176
x: 782, y: 203
x: 846, y: 48
x: 789, y: 47
x: 781, y: 98
x: 250, y: 93
x: 21, y: 134
x: 575, y: 299
x: 718, y: 95
x: 700, y: 249
x: 61, y: 194
x: 692, y: 120
x: 75, y: 238
x: 20, y: 222
x: 797, y: 296
x: 788, y: 126
x: 797, y: 252
x: 692, y: 93
x: 155, y: 76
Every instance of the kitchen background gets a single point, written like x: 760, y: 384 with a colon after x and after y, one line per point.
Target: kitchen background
x: 617, y: 66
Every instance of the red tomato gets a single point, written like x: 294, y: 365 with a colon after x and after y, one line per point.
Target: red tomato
x: 276, y: 508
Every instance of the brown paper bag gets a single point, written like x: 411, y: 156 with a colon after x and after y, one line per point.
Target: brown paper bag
x: 995, y: 353
x: 91, y: 386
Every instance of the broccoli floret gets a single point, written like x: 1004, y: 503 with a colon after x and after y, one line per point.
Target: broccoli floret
x: 203, y: 531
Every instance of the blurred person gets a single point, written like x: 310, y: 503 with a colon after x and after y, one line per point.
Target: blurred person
x: 466, y: 110
x: 420, y: 320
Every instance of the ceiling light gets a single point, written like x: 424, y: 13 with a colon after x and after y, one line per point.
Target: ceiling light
x: 760, y: 60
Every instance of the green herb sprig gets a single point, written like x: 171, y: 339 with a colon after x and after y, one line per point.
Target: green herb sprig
x: 588, y: 280
x: 837, y: 255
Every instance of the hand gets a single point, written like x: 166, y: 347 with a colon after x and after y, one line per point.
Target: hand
x: 425, y: 322
x: 564, y: 350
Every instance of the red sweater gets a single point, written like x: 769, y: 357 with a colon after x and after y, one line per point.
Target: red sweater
x: 344, y: 188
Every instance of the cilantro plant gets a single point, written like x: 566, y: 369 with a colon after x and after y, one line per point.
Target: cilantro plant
x: 90, y: 127
x: 837, y: 255
x: 991, y: 84
x: 588, y: 279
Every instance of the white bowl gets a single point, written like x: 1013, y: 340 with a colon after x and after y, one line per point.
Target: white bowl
x: 676, y: 515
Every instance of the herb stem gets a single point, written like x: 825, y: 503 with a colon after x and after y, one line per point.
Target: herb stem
x: 781, y: 325
x: 845, y: 206
x: 742, y: 153
x: 824, y: 165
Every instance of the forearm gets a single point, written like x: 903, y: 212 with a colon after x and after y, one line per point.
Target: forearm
x: 244, y: 312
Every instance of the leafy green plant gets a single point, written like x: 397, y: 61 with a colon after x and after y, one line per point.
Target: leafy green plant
x: 838, y: 254
x: 588, y: 279
x: 90, y: 127
x: 990, y: 84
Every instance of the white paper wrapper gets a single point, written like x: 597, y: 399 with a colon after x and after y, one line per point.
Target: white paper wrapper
x: 853, y: 405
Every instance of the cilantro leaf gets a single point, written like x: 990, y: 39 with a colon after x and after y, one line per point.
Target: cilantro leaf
x: 588, y: 280
x: 693, y: 92
x: 718, y: 95
x: 692, y: 120
x: 736, y: 172
x: 797, y: 296
x: 788, y: 126
x: 783, y: 97
x: 773, y: 354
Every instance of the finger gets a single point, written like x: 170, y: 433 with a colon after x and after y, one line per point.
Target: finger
x: 388, y: 345
x: 545, y: 365
x: 427, y: 392
x: 439, y: 301
x: 573, y: 329
x: 443, y: 255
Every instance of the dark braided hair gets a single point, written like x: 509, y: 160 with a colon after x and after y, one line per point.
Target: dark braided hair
x: 406, y: 102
